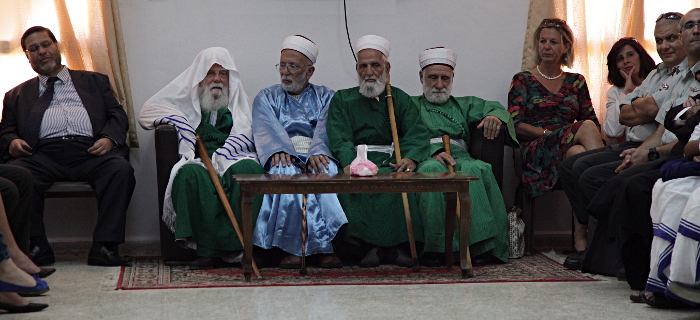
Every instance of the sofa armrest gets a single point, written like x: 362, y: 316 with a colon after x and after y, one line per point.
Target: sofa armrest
x: 489, y: 151
x: 167, y: 154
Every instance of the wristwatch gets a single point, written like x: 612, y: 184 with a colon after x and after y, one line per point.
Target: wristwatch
x: 653, y: 154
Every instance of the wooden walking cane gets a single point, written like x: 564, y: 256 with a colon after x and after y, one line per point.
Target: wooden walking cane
x: 303, y: 271
x: 448, y: 149
x: 404, y: 196
x: 220, y: 191
x: 304, y: 231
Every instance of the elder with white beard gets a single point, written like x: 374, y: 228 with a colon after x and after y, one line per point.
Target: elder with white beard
x: 444, y: 114
x: 289, y: 126
x: 206, y: 99
x: 359, y: 115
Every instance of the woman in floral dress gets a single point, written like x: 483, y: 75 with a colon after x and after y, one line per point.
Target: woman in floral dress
x: 552, y: 111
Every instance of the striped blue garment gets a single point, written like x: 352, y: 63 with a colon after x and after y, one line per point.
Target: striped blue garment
x: 66, y: 115
x: 183, y: 127
x: 238, y: 147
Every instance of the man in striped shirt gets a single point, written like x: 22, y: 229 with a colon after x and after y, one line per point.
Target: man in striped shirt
x: 66, y: 125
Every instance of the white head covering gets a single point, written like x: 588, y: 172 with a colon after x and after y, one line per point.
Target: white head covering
x: 437, y: 55
x: 302, y: 45
x: 178, y: 104
x: 374, y: 42
x: 181, y: 95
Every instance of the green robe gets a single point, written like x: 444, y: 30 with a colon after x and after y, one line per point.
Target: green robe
x: 201, y: 217
x: 377, y: 219
x: 489, y: 220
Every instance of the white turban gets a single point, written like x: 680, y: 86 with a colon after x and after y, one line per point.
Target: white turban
x: 374, y: 42
x: 302, y: 45
x: 437, y: 56
x: 178, y: 105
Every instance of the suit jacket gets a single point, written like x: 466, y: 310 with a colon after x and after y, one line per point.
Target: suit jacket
x: 107, y: 116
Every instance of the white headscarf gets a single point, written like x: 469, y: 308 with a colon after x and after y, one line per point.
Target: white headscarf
x: 178, y: 104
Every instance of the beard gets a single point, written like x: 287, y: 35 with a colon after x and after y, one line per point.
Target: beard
x: 213, y: 97
x: 48, y: 68
x: 297, y: 84
x: 436, y: 96
x: 372, y: 89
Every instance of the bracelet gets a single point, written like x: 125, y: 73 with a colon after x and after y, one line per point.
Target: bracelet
x: 544, y: 132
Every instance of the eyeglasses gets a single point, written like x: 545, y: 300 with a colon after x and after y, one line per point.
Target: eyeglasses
x: 46, y: 44
x: 291, y: 67
x: 555, y: 23
x: 690, y: 25
x: 670, y: 16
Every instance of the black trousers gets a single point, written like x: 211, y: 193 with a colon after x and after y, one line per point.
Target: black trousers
x: 111, y: 176
x: 625, y: 201
x: 16, y: 189
x: 582, y: 174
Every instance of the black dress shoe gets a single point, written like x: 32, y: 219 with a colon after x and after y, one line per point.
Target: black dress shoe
x: 575, y: 260
x: 45, y: 272
x: 485, y: 259
x: 42, y: 255
x: 202, y: 263
x: 106, y: 257
x: 432, y: 259
x: 31, y: 307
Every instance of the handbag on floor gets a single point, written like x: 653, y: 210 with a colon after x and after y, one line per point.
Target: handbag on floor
x: 516, y: 233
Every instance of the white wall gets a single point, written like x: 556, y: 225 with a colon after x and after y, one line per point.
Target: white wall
x: 163, y: 36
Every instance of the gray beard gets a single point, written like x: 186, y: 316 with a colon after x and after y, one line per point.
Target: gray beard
x: 372, y: 89
x: 209, y: 101
x: 436, y: 96
x: 297, y: 85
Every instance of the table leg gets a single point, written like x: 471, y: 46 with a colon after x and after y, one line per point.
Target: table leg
x: 450, y: 214
x: 464, y: 225
x: 245, y: 200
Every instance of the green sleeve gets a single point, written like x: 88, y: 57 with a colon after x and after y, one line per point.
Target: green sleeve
x: 340, y: 133
x: 475, y: 109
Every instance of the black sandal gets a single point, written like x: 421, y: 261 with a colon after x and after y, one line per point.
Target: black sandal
x: 662, y: 301
x: 636, y: 296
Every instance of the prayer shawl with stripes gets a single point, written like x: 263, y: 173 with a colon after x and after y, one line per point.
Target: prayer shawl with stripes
x: 178, y: 105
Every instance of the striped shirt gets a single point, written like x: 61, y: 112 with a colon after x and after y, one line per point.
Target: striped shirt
x: 66, y: 115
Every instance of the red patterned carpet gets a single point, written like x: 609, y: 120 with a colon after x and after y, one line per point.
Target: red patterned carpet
x: 151, y: 273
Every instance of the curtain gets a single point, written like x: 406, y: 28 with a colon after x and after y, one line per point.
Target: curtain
x: 90, y: 38
x: 99, y: 47
x: 539, y: 9
x: 597, y: 25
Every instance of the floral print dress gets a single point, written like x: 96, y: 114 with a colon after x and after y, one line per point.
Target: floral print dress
x: 561, y: 113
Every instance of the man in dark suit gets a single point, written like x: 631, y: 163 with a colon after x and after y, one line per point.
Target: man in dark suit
x: 66, y: 125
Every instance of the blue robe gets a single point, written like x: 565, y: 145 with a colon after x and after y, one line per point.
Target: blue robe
x: 277, y: 118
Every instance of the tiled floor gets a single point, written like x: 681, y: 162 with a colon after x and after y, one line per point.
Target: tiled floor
x: 79, y: 291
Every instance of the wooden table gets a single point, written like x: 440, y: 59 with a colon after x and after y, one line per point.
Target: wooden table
x: 456, y: 183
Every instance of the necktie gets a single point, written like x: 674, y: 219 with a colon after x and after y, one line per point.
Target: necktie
x: 37, y: 113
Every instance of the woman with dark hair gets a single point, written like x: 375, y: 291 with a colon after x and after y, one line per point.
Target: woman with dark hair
x: 551, y: 108
x: 628, y: 65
